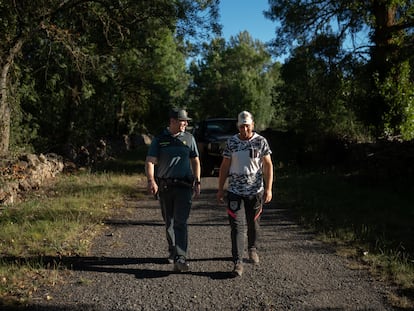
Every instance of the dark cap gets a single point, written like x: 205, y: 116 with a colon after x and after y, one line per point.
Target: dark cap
x: 180, y: 114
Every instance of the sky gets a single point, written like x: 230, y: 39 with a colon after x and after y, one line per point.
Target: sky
x: 240, y: 15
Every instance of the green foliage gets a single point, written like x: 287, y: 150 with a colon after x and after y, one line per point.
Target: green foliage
x: 91, y: 69
x: 314, y: 95
x: 300, y: 22
x: 97, y: 68
x: 398, y: 93
x: 234, y: 77
x: 378, y: 34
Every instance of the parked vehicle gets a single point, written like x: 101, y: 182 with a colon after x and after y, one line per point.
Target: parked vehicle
x: 211, y: 136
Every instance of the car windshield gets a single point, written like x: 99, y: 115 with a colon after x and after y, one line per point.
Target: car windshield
x: 226, y: 127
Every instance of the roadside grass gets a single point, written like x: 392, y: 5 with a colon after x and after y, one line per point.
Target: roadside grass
x: 60, y: 221
x: 369, y: 221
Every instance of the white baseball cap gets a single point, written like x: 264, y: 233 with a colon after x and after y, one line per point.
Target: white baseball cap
x: 245, y: 117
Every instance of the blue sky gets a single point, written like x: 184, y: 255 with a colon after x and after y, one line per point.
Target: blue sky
x: 240, y: 15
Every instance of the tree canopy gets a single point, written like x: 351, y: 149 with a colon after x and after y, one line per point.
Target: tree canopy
x: 73, y: 72
x: 234, y: 76
x: 64, y: 61
x: 386, y: 29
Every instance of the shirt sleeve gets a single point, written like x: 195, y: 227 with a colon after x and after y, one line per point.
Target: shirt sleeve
x: 153, y: 150
x: 193, y: 149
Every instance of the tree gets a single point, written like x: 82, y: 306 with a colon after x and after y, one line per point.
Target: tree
x: 233, y: 77
x: 70, y: 48
x: 388, y: 28
x: 314, y: 92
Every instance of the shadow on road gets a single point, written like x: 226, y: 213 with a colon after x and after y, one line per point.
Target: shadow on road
x: 115, y: 265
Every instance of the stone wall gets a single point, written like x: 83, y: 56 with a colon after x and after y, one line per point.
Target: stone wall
x: 29, y: 172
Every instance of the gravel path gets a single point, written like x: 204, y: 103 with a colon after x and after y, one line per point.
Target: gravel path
x: 128, y: 270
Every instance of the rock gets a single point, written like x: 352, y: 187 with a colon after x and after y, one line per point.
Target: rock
x: 29, y: 172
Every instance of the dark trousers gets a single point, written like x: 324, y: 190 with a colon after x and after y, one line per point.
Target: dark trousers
x: 175, y: 207
x: 242, y: 211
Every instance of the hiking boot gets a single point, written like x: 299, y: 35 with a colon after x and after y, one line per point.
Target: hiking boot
x: 171, y: 258
x: 253, y: 257
x: 238, y: 269
x: 181, y: 265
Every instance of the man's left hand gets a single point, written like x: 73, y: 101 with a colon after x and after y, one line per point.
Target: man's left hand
x: 267, y: 196
x: 197, y: 190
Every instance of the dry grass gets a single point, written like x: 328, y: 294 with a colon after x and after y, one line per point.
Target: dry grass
x: 59, y: 221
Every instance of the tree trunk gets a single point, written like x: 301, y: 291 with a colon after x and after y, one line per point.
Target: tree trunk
x: 5, y: 116
x: 4, y: 130
x: 384, y: 53
x: 384, y: 57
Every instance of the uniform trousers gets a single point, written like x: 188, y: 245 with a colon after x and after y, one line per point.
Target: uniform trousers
x: 176, y: 204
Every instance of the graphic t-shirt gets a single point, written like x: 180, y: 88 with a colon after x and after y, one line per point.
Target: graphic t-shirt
x: 246, y: 169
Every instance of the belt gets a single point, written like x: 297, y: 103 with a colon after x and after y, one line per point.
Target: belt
x: 171, y: 181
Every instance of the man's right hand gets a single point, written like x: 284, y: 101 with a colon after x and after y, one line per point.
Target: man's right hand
x: 220, y: 196
x: 152, y: 187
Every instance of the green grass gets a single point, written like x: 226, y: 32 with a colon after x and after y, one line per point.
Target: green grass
x: 131, y: 162
x: 367, y: 220
x: 60, y: 221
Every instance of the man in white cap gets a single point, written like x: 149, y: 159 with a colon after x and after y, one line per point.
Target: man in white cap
x: 176, y: 181
x: 248, y: 164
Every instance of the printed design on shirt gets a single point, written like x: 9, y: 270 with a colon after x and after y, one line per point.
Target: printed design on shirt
x: 245, y: 176
x: 254, y: 153
x: 246, y: 185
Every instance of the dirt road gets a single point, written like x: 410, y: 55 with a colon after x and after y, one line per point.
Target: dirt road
x: 127, y: 269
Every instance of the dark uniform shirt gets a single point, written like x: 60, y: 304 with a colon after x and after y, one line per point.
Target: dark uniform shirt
x: 173, y: 154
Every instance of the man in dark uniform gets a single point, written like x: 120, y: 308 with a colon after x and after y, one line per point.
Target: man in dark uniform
x: 176, y: 181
